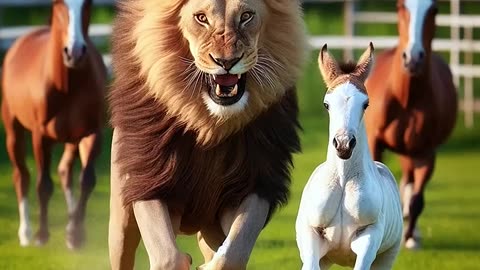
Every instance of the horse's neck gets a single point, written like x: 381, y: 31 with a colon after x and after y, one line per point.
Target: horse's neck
x: 57, y: 72
x: 408, y: 88
x: 360, y: 162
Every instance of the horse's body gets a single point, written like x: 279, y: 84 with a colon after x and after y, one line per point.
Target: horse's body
x: 55, y: 91
x: 413, y: 107
x: 350, y: 210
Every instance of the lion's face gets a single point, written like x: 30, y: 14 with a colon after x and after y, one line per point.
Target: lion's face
x: 223, y: 40
x: 215, y: 65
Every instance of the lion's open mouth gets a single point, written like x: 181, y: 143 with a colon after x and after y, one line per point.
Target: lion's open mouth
x: 227, y: 89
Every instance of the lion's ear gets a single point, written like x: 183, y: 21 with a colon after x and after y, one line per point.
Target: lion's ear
x: 328, y: 66
x: 365, y: 64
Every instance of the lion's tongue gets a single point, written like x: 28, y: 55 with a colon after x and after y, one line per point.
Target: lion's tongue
x: 226, y: 80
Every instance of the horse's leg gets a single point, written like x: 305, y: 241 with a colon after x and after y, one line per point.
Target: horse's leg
x: 89, y: 149
x: 406, y: 183
x: 65, y: 173
x: 422, y: 173
x: 242, y: 227
x: 42, y: 149
x: 366, y: 244
x: 15, y: 135
x: 123, y: 233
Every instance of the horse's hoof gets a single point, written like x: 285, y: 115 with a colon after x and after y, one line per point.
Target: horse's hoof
x: 75, y: 236
x: 41, y: 238
x: 25, y: 237
x: 412, y: 244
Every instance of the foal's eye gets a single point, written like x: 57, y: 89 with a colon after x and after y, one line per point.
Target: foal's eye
x: 365, y: 106
x: 325, y: 105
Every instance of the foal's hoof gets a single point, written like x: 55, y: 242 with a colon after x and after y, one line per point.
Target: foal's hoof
x: 412, y: 243
x: 75, y: 236
x: 41, y: 238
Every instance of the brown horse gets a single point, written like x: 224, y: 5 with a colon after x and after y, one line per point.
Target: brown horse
x: 53, y: 85
x: 413, y: 105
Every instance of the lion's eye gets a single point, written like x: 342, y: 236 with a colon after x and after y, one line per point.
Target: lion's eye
x: 326, y: 105
x: 246, y: 17
x: 201, y: 18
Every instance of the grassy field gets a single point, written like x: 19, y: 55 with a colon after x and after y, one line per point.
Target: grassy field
x: 449, y: 223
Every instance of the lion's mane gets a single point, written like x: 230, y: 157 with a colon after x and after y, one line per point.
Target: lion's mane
x: 170, y: 145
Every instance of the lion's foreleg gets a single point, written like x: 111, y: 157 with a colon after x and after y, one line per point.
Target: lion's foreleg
x: 123, y: 234
x: 242, y: 227
x: 158, y: 233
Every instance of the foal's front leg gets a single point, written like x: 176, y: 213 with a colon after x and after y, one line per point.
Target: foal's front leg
x: 242, y: 227
x: 366, y: 245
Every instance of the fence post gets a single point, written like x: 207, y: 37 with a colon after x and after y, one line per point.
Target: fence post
x: 455, y: 38
x: 468, y: 98
x: 349, y: 27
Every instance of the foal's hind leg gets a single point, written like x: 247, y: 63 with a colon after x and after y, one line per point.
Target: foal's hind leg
x: 42, y: 148
x: 15, y: 134
x: 422, y: 173
x: 89, y: 149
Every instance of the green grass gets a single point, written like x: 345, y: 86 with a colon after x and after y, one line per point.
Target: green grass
x: 449, y: 223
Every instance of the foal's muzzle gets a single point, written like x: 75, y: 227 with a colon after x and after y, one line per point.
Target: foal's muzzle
x: 344, y: 143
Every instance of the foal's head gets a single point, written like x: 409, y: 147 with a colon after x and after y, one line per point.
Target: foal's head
x: 71, y: 18
x: 346, y: 98
x: 416, y: 27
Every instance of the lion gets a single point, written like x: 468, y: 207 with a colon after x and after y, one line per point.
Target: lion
x: 205, y: 118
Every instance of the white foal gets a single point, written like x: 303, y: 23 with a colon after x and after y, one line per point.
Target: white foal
x: 350, y: 211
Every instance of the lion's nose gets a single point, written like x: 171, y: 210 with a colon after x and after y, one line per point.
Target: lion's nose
x: 227, y: 64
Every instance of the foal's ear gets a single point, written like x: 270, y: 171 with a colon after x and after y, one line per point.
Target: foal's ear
x: 365, y: 64
x: 328, y: 66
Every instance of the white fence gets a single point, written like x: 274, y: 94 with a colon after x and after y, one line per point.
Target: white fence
x: 347, y: 42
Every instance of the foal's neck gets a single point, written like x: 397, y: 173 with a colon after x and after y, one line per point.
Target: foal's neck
x: 360, y: 161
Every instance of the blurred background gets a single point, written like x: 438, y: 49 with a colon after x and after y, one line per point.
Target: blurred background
x: 449, y: 223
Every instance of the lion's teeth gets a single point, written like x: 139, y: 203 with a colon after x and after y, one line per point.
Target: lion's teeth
x: 234, y: 91
x: 214, y: 77
x: 218, y: 91
x: 239, y: 76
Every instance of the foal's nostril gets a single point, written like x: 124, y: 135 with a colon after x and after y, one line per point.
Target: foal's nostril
x: 335, y: 142
x: 84, y: 49
x: 352, y: 143
x: 404, y: 55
